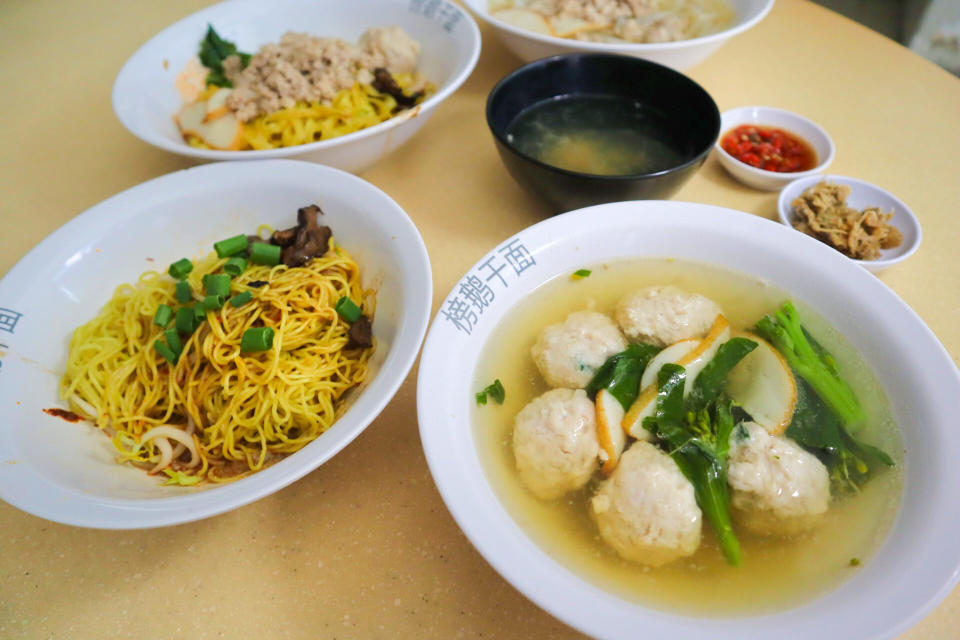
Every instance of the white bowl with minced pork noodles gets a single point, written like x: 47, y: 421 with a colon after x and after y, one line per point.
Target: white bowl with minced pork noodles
x: 145, y: 99
x: 68, y: 472
x: 680, y: 54
x: 912, y: 567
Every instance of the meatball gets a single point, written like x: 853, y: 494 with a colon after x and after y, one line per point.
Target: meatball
x: 664, y: 315
x: 555, y: 442
x: 569, y: 354
x: 778, y: 487
x: 647, y: 510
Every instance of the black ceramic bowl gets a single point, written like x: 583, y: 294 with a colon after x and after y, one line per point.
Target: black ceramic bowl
x: 670, y: 98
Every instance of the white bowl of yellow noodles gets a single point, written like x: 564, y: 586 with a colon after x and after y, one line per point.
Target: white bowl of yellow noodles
x: 69, y: 472
x: 145, y: 98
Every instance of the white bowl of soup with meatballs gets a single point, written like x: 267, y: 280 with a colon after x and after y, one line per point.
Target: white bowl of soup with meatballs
x: 665, y: 419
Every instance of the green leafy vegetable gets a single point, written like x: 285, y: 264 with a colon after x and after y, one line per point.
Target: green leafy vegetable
x: 495, y: 391
x: 697, y: 431
x: 621, y: 373
x: 213, y: 51
x: 580, y: 274
x: 347, y: 309
x: 827, y: 412
x: 812, y: 362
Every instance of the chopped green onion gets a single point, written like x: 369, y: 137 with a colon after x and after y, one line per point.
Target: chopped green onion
x: 183, y: 291
x: 163, y: 315
x: 165, y: 351
x: 263, y: 253
x: 231, y: 246
x: 199, y: 315
x: 213, y: 302
x: 180, y: 269
x: 580, y: 274
x: 217, y: 284
x: 184, y: 320
x: 235, y: 266
x: 256, y: 339
x: 495, y: 391
x: 173, y: 340
x: 241, y: 299
x: 347, y: 309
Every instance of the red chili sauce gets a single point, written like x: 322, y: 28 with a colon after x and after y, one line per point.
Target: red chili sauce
x: 769, y: 148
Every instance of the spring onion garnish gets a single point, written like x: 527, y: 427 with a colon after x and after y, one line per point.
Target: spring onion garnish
x: 173, y: 340
x: 213, y: 302
x: 180, y: 269
x: 495, y: 391
x: 231, y: 246
x: 183, y: 291
x: 263, y: 253
x: 235, y: 266
x: 347, y: 309
x: 580, y: 274
x: 184, y: 320
x: 165, y: 351
x: 199, y: 315
x: 256, y: 339
x: 217, y: 284
x: 241, y: 299
x: 163, y: 315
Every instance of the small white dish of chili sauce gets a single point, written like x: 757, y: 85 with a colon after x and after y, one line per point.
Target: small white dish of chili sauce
x: 767, y: 148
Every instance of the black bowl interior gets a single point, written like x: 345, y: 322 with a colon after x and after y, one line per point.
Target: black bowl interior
x: 681, y: 109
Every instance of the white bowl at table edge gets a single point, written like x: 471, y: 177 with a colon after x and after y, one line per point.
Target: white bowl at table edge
x: 354, y: 152
x: 922, y: 383
x: 678, y: 55
x: 79, y: 482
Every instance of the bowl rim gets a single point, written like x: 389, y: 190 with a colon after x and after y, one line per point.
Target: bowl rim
x: 611, y: 47
x: 631, y: 177
x: 776, y: 175
x: 546, y: 581
x: 180, y: 147
x: 146, y: 513
x: 784, y: 214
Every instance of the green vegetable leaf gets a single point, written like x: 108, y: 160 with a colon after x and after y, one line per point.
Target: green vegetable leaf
x: 495, y: 391
x: 213, y: 51
x: 713, y: 377
x: 621, y: 373
x: 699, y: 442
x: 580, y: 274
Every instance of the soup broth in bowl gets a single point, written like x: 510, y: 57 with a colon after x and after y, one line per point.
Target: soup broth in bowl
x: 776, y: 571
x: 890, y: 549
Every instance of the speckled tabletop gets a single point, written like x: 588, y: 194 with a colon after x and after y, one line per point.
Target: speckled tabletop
x: 363, y: 547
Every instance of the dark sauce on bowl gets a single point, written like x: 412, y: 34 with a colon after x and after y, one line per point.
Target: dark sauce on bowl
x: 597, y: 134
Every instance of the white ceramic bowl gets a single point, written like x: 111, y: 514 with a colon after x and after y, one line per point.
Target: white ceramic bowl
x: 810, y: 131
x: 680, y: 55
x: 145, y: 100
x: 67, y: 472
x: 918, y: 563
x: 862, y: 195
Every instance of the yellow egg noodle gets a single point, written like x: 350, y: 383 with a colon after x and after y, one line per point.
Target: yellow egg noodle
x: 352, y: 109
x: 220, y: 414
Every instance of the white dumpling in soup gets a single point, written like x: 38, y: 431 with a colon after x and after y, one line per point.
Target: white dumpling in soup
x: 568, y: 354
x: 555, y: 442
x: 663, y: 315
x: 778, y: 488
x: 647, y: 510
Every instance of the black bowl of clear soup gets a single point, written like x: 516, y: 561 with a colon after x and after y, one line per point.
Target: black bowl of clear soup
x: 583, y: 128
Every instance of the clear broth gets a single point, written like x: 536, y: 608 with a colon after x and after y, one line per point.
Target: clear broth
x: 599, y: 135
x: 777, y: 573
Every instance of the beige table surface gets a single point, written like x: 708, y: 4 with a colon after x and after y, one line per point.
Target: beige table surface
x: 363, y: 547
